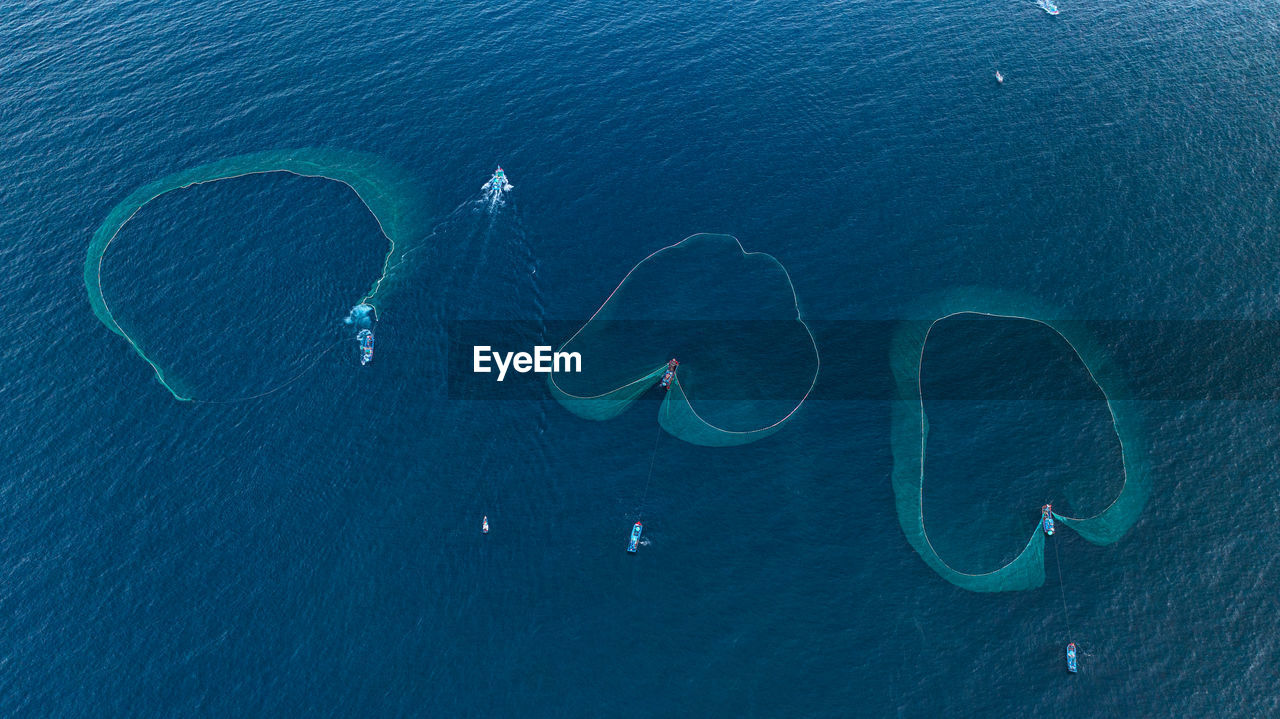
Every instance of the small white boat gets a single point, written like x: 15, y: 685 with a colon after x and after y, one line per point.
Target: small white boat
x: 999, y: 77
x: 1048, y: 6
x: 484, y: 526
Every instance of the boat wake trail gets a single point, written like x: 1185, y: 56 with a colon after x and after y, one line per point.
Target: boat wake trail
x: 495, y: 268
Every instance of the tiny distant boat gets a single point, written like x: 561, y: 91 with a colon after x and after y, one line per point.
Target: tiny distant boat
x: 498, y: 183
x: 1046, y: 519
x: 635, y: 537
x: 1071, y: 657
x: 999, y: 77
x: 670, y: 374
x: 1048, y: 6
x: 366, y: 346
x: 484, y: 526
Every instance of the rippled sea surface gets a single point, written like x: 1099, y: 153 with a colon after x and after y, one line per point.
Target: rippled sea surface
x: 316, y: 552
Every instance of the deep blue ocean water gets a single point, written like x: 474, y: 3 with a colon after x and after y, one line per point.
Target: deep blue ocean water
x: 316, y: 552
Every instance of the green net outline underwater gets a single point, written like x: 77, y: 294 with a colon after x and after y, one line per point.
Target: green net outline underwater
x: 676, y: 414
x: 910, y: 431
x: 388, y: 194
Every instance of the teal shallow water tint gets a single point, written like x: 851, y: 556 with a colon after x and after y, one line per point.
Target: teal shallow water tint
x: 666, y: 306
x: 318, y: 552
x: 910, y: 436
x: 392, y: 197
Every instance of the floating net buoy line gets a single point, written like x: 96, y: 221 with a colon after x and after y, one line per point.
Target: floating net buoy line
x: 747, y: 359
x: 910, y: 431
x: 389, y: 194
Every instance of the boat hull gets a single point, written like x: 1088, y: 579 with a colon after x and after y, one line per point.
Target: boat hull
x: 366, y: 346
x: 635, y: 537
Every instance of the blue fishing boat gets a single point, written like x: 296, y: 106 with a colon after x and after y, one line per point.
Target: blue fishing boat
x: 366, y: 346
x: 1071, y: 657
x: 670, y: 374
x: 635, y: 537
x: 498, y: 183
x: 1046, y: 519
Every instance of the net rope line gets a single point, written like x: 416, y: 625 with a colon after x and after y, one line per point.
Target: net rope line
x: 653, y: 456
x: 652, y: 374
x: 138, y: 203
x: 319, y: 356
x: 924, y: 438
x: 381, y: 230
x: 1057, y: 559
x: 795, y: 302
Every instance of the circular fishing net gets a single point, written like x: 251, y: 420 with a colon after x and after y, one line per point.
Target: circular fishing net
x: 747, y: 360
